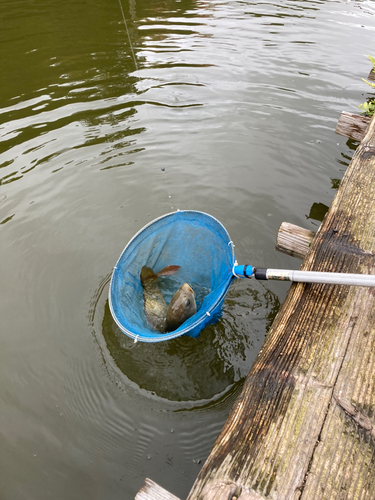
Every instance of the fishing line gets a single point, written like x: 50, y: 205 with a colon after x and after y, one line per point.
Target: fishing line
x: 127, y: 32
x: 139, y: 79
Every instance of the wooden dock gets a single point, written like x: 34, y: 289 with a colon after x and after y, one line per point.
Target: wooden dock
x: 303, y: 426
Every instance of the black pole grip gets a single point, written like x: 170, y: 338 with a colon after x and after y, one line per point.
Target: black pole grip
x: 260, y: 273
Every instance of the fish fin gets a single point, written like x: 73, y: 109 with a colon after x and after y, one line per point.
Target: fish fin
x: 167, y: 271
x: 147, y: 274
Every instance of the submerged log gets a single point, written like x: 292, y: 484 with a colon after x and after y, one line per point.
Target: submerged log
x: 294, y: 240
x: 352, y: 125
x: 152, y: 491
x: 303, y: 426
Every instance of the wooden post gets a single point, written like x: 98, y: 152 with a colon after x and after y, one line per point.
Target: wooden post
x: 152, y: 491
x: 304, y: 425
x: 294, y: 240
x: 352, y: 126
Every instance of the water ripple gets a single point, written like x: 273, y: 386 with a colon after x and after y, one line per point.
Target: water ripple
x: 229, y: 108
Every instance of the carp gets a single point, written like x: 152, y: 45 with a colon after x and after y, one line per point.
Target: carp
x: 161, y: 317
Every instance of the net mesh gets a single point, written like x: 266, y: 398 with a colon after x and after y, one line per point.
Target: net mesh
x: 196, y: 242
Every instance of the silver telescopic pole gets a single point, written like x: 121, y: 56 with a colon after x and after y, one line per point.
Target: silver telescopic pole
x: 316, y: 277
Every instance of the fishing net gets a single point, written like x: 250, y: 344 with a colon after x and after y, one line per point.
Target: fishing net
x: 193, y: 240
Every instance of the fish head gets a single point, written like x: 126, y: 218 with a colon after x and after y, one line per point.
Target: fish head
x: 181, y: 307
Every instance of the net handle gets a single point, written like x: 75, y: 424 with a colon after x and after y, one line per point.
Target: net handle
x: 304, y: 276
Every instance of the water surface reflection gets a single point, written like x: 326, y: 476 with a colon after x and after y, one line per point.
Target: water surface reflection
x: 232, y: 112
x: 188, y: 369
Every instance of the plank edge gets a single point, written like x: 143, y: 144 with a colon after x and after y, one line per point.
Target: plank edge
x: 152, y: 491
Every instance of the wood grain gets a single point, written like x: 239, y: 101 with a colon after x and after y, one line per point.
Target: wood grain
x: 152, y: 491
x: 294, y: 240
x: 352, y: 125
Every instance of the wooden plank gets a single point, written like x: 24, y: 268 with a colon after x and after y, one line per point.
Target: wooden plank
x: 352, y: 125
x: 152, y: 491
x: 294, y: 240
x: 303, y: 426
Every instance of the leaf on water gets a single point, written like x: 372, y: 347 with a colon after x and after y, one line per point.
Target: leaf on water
x: 372, y: 59
x: 368, y: 107
x: 369, y: 83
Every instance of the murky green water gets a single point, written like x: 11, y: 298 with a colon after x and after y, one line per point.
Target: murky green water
x: 232, y: 111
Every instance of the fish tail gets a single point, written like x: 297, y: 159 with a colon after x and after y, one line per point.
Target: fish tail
x: 168, y: 270
x: 148, y: 274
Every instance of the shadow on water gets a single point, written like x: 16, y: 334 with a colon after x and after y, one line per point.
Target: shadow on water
x: 188, y: 369
x: 319, y: 210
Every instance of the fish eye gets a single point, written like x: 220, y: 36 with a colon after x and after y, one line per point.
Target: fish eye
x: 187, y: 302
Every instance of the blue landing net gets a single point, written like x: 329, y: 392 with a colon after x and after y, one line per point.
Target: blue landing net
x: 193, y: 240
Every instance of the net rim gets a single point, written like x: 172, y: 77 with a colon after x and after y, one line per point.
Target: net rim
x: 161, y: 337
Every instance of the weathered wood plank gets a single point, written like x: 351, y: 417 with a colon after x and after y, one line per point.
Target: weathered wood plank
x: 152, y: 491
x: 303, y: 426
x: 343, y: 465
x: 294, y: 240
x: 352, y: 125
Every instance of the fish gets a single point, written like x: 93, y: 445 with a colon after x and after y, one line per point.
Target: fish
x: 159, y: 316
x: 181, y: 307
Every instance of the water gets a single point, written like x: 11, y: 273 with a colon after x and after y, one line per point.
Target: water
x: 232, y: 111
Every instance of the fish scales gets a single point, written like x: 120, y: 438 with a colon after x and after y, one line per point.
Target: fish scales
x: 161, y: 317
